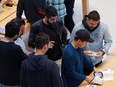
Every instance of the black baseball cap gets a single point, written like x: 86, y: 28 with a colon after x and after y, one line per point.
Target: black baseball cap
x: 83, y: 35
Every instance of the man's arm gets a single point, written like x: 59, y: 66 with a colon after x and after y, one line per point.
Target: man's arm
x: 64, y: 35
x: 22, y: 75
x: 88, y: 64
x: 32, y: 36
x: 68, y: 66
x: 55, y: 76
x: 107, y: 40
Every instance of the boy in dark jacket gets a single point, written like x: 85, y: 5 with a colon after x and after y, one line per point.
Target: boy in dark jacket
x: 38, y: 70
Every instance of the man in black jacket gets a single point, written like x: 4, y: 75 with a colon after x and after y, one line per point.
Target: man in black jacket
x: 33, y: 9
x: 38, y: 70
x: 55, y: 30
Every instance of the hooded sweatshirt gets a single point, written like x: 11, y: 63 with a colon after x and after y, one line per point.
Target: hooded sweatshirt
x: 39, y: 71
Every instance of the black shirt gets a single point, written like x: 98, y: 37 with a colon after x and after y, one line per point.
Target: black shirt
x: 54, y: 53
x: 11, y: 56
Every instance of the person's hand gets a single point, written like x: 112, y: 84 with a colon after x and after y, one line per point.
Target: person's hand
x: 87, y: 53
x: 97, y: 81
x: 89, y: 78
x: 99, y: 54
x: 51, y: 44
x: 95, y: 69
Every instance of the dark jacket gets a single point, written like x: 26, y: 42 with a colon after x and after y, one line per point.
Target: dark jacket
x: 60, y: 30
x: 31, y: 9
x: 39, y: 71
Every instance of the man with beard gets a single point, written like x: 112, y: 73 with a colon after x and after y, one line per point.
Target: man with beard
x: 55, y: 29
x: 11, y: 55
x: 99, y: 32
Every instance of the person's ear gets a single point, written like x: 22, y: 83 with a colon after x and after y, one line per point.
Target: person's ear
x: 45, y: 47
x: 15, y: 37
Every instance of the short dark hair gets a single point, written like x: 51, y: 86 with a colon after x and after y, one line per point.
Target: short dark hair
x: 41, y: 40
x: 12, y: 28
x: 50, y: 11
x: 94, y: 15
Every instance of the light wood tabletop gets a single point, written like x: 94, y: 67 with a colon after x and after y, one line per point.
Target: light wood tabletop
x: 108, y: 63
x: 3, y: 22
x: 7, y: 11
x: 6, y: 15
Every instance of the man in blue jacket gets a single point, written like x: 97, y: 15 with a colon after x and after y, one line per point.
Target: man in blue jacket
x: 74, y: 61
x: 38, y: 70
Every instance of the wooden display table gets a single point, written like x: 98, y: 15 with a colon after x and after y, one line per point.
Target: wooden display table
x: 7, y: 11
x: 3, y: 22
x: 108, y: 63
